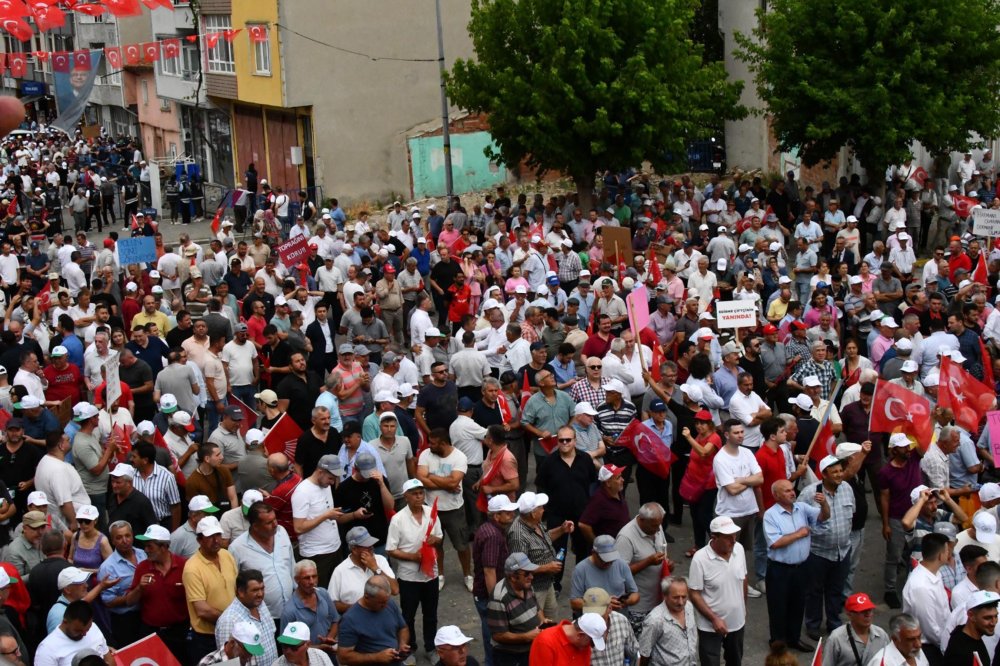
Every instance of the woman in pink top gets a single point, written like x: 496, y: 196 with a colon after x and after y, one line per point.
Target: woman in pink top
x: 473, y: 276
x: 448, y: 235
x: 514, y: 281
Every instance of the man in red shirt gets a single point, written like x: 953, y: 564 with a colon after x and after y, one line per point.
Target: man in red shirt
x: 957, y: 258
x: 256, y: 324
x: 158, y: 589
x: 281, y: 470
x: 569, y: 643
x: 130, y: 304
x: 599, y: 344
x: 461, y: 296
x: 64, y: 377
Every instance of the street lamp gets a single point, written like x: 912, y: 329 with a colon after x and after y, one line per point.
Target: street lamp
x: 445, y: 133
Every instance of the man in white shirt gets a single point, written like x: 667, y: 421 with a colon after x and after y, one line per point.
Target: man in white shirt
x: 737, y: 473
x: 315, y: 517
x: 347, y: 584
x: 924, y: 596
x: 441, y: 469
x: 74, y: 275
x: 420, y: 320
x: 750, y: 409
x: 76, y: 633
x: 9, y: 267
x: 717, y: 585
x: 904, y: 650
x: 902, y: 257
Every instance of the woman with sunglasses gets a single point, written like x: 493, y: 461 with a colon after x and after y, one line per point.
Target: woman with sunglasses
x: 89, y: 547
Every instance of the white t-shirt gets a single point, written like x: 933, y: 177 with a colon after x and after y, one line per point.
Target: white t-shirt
x: 281, y: 204
x: 347, y: 584
x: 438, y: 466
x: 309, y: 501
x: 240, y: 359
x: 58, y: 649
x: 167, y: 266
x: 721, y: 584
x: 727, y: 469
x: 60, y: 482
x: 744, y: 408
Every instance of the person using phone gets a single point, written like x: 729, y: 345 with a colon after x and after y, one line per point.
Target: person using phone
x: 366, y: 492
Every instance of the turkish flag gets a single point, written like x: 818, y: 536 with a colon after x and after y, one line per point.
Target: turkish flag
x: 192, y: 38
x: 988, y: 377
x: 919, y: 176
x: 47, y: 16
x: 658, y: 358
x: 149, y: 650
x: 283, y: 437
x: 18, y: 63
x: 123, y: 7
x: 61, y: 61
x: 123, y: 433
x: 44, y: 297
x: 154, y: 4
x: 133, y: 54
x: 212, y: 38
x: 967, y: 397
x: 3, y: 63
x: 979, y: 273
x: 505, y: 413
x: 258, y: 33
x: 896, y: 409
x: 216, y: 221
x: 825, y: 443
x: 817, y: 659
x: 114, y: 56
x: 171, y: 48
x: 151, y: 51
x: 428, y: 553
x: 89, y: 8
x: 81, y: 60
x: 647, y: 447
x: 41, y: 56
x: 230, y: 35
x: 525, y: 391
x: 963, y: 205
x: 654, y: 267
x: 12, y: 9
x: 18, y: 29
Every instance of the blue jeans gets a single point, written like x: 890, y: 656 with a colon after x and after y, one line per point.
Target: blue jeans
x: 487, y: 645
x: 212, y: 416
x: 246, y: 394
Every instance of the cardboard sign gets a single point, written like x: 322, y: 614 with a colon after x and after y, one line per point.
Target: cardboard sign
x: 617, y: 240
x: 986, y: 222
x: 294, y: 252
x: 993, y: 423
x: 113, y: 383
x: 736, y: 314
x: 139, y: 250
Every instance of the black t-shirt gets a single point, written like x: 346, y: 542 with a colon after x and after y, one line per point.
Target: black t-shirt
x: 176, y: 336
x: 136, y: 509
x: 440, y: 404
x: 43, y: 584
x: 961, y: 646
x: 278, y: 357
x: 485, y: 416
x: 444, y: 273
x: 756, y: 370
x: 351, y: 495
x: 310, y: 449
x: 807, y: 430
x: 18, y: 467
x: 568, y: 486
x: 135, y: 376
x: 301, y: 396
x: 530, y: 372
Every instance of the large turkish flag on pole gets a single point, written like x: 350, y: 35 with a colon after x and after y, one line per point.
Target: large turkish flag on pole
x: 896, y: 409
x: 647, y: 447
x: 967, y: 397
x: 150, y: 651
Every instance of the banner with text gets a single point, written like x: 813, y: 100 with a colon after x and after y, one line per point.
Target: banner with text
x: 136, y: 250
x: 993, y: 423
x: 736, y: 314
x: 986, y: 222
x: 294, y: 252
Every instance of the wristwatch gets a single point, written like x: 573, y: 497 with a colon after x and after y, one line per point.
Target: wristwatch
x: 378, y: 572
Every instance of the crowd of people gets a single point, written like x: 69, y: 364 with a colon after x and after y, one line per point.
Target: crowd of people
x: 292, y: 450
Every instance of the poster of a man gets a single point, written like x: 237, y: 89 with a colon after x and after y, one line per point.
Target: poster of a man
x: 73, y: 89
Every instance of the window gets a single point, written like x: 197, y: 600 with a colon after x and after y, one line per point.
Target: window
x: 189, y: 62
x: 261, y: 51
x: 145, y: 93
x: 169, y: 66
x: 220, y: 57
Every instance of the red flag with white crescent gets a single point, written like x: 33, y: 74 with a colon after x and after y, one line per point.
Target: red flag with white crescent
x: 826, y: 443
x: 257, y: 33
x: 647, y: 447
x: 505, y: 413
x: 18, y: 29
x: 896, y: 409
x: 44, y: 297
x: 212, y: 38
x: 133, y: 54
x: 963, y: 205
x: 171, y: 48
x: 151, y: 51
x: 123, y: 7
x: 89, y: 8
x: 62, y: 62
x: 47, y: 17
x: 159, y: 4
x: 967, y: 397
x: 658, y: 358
x: 114, y: 56
x: 216, y: 221
x: 81, y: 60
x: 230, y: 35
x: 654, y: 267
x: 428, y: 553
x: 149, y: 650
x: 12, y: 9
x: 525, y: 391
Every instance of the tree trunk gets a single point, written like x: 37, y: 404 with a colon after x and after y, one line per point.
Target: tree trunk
x: 584, y: 191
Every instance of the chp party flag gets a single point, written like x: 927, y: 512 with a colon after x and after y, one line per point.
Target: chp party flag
x: 149, y: 650
x: 967, y: 397
x: 428, y: 553
x: 896, y: 409
x: 647, y: 447
x: 283, y: 437
x: 249, y: 415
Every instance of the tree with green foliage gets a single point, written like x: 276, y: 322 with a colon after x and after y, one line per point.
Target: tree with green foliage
x: 578, y: 86
x: 877, y: 75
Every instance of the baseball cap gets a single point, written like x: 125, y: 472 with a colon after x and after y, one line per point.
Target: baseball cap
x: 614, y: 386
x: 250, y: 495
x: 449, y: 635
x: 168, y: 403
x: 694, y: 393
x: 123, y: 470
x: 899, y: 439
x: 730, y: 348
x: 465, y: 404
x: 530, y: 501
x: 915, y: 493
x: 145, y: 428
x: 72, y: 576
x: 386, y: 396
x: 948, y: 529
x: 254, y: 437
x: 365, y: 463
x: 981, y: 598
x: 34, y: 519
x: 811, y: 381
x: 604, y: 546
x: 500, y: 503
x: 584, y: 408
x: 801, y: 401
x: 518, y: 561
x: 770, y: 329
x: 38, y: 498
x: 155, y: 533
x: 234, y: 412
x: 847, y: 449
x: 331, y: 463
x: 608, y: 471
x: 412, y: 484
x: 359, y: 536
x: 931, y: 379
x: 908, y: 366
x: 596, y: 600
x: 904, y: 344
x: 29, y: 402
x: 208, y: 526
x: 784, y: 279
x: 723, y: 525
x: 202, y: 503
x: 857, y: 603
x: 594, y: 626
x: 295, y: 633
x: 183, y: 419
x: 433, y: 332
x: 268, y: 397
x: 987, y: 493
x: 244, y: 632
x: 6, y: 579
x: 84, y: 410
x: 240, y: 328
x: 58, y: 350
x: 828, y: 461
x: 986, y: 527
x: 406, y: 390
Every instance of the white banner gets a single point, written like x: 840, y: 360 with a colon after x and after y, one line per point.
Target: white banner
x: 114, y: 385
x: 986, y: 222
x: 736, y: 314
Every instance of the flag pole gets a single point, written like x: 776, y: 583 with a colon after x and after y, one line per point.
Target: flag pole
x: 635, y: 333
x: 826, y: 417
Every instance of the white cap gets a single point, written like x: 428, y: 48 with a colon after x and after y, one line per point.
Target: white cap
x: 5, y: 579
x: 253, y: 436
x: 703, y: 227
x: 38, y: 498
x: 827, y: 461
x: 801, y: 401
x: 208, y: 526
x: 145, y: 428
x: 855, y: 279
x: 811, y: 381
x: 723, y: 525
x: 889, y: 321
x: 989, y: 492
x: 954, y: 355
x: 168, y: 402
x: 720, y: 264
x: 986, y: 527
x: 584, y: 408
x: 981, y: 598
x: 899, y: 439
x: 903, y: 236
x: 915, y: 493
x: 72, y: 576
x: 406, y: 390
x: 851, y: 218
x: 86, y: 512
x: 432, y: 332
x: 386, y: 396
x: 131, y: 286
x: 251, y: 495
x: 536, y: 239
x: 774, y: 246
x: 694, y: 393
x: 784, y: 279
x: 931, y: 379
x: 909, y: 366
x: 500, y: 503
x: 490, y: 303
x: 520, y: 289
x: 594, y: 626
x: 86, y: 411
x: 744, y: 248
x: 123, y: 470
x: 847, y: 449
x: 295, y: 633
x: 450, y: 635
x: 201, y: 503
x: 615, y: 386
x: 412, y: 484
x: 28, y: 402
x: 530, y: 501
x: 155, y: 533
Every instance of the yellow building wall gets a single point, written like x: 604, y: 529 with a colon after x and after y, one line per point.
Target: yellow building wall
x: 253, y: 87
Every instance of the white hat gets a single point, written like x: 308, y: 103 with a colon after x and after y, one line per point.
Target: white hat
x: 412, y: 484
x: 86, y: 512
x: 802, y: 401
x: 855, y: 279
x: 703, y: 227
x: 851, y: 218
x: 784, y: 279
x: 38, y: 498
x: 295, y: 633
x: 744, y: 248
x: 433, y: 332
x: 530, y: 501
x: 915, y: 493
x: 432, y: 207
x: 490, y: 303
x: 6, y: 579
x: 889, y: 321
x: 989, y: 492
x: 247, y: 634
x: 406, y: 390
x: 594, y: 626
x: 168, y: 403
x: 774, y: 246
x: 145, y: 428
x: 123, y: 470
x: 909, y: 366
x: 131, y: 286
x: 964, y: 283
x: 811, y: 381
x: 723, y: 525
x: 827, y: 461
x: 386, y: 396
x: 208, y: 526
x: 450, y: 635
x: 567, y: 242
x: 536, y: 239
x: 202, y: 503
x: 182, y: 419
x: 903, y: 236
x: 847, y: 449
x: 694, y: 393
x: 899, y: 440
x: 253, y: 436
x: 584, y: 408
x: 981, y: 598
x: 720, y: 264
x: 500, y: 503
x: 986, y: 527
x: 520, y: 289
x: 251, y: 495
x: 954, y: 355
x: 86, y: 411
x: 72, y: 576
x: 615, y: 386
x: 154, y: 533
x: 28, y: 402
x: 730, y: 348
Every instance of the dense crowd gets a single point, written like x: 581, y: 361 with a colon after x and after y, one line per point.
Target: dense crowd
x: 291, y: 450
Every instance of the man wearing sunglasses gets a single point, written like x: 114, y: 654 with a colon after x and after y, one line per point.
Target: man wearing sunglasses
x: 512, y: 614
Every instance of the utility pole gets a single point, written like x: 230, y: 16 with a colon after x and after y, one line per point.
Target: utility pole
x: 445, y: 133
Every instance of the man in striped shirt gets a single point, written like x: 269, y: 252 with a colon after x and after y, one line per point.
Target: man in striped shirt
x: 158, y: 484
x: 512, y: 614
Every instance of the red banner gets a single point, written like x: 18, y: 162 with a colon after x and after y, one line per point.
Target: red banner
x: 283, y: 437
x: 249, y: 415
x: 149, y: 650
x: 896, y: 409
x: 293, y: 252
x: 647, y: 447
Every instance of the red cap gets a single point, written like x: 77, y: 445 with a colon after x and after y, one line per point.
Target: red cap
x: 858, y: 602
x: 703, y: 415
x: 801, y: 325
x: 303, y: 266
x: 108, y: 242
x: 389, y: 269
x: 770, y: 329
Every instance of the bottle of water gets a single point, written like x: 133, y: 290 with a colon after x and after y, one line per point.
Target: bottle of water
x: 561, y: 555
x: 628, y: 662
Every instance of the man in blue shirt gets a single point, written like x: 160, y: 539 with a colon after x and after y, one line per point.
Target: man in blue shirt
x: 120, y: 566
x: 374, y: 625
x: 651, y: 487
x: 787, y: 530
